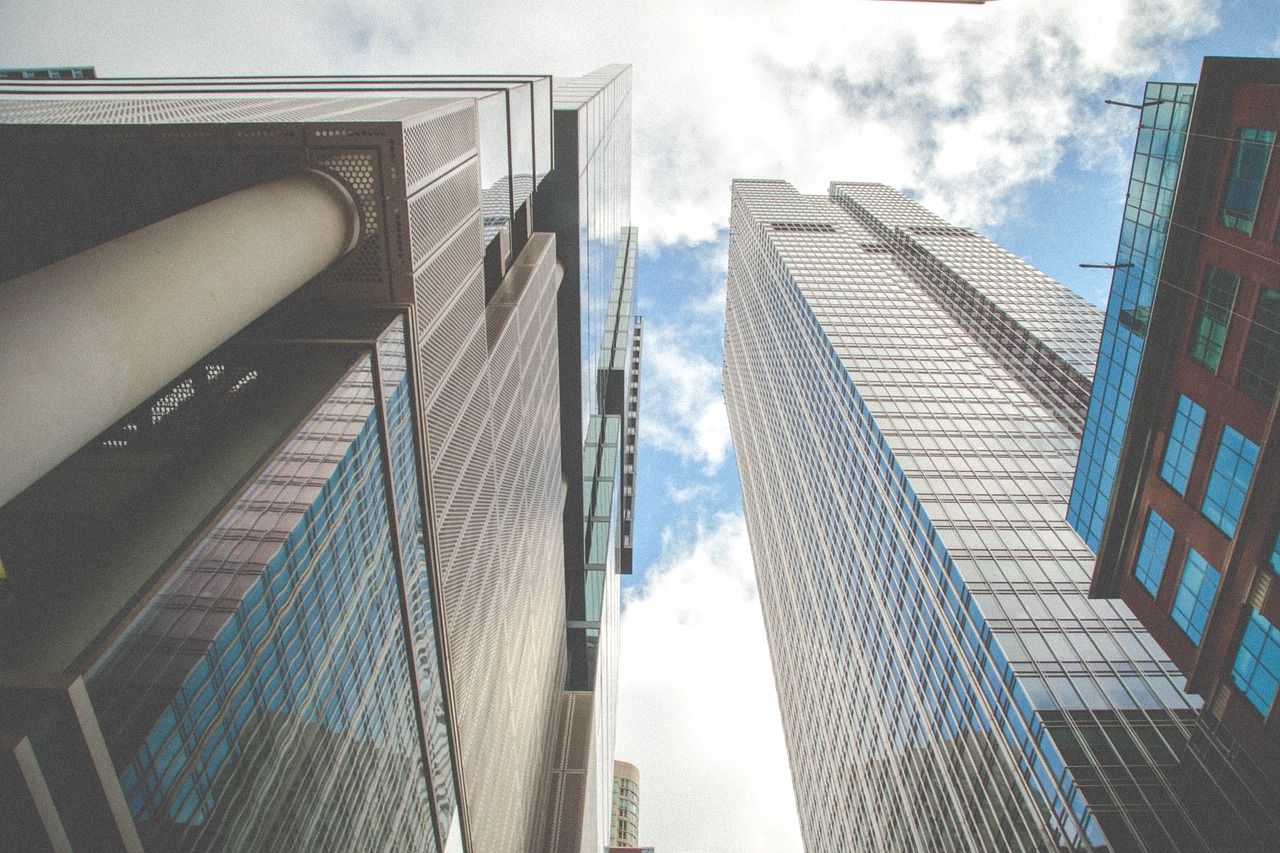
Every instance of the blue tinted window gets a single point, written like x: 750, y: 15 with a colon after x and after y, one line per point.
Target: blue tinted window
x: 1257, y: 668
x: 1157, y: 159
x: 1184, y: 435
x: 1232, y: 469
x: 1149, y: 567
x: 1195, y: 595
x: 1275, y: 557
x: 1244, y: 184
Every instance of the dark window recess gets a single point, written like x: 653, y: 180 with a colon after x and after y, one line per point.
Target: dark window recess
x: 803, y: 227
x: 1135, y: 319
x: 1260, y: 368
x: 1213, y: 316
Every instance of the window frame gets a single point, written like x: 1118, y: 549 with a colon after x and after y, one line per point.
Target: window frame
x: 1190, y: 609
x: 1258, y: 349
x: 1208, y: 335
x: 1220, y: 478
x: 1185, y: 430
x: 1235, y: 218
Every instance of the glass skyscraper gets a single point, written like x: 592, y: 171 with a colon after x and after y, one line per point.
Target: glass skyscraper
x: 284, y: 533
x: 906, y: 400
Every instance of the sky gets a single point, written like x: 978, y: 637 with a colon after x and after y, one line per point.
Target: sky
x: 992, y: 115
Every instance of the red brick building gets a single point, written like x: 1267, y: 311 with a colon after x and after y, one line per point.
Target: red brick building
x: 1190, y: 542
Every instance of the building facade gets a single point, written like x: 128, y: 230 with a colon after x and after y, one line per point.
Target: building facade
x: 625, y: 831
x: 1187, y: 522
x: 585, y: 202
x: 320, y: 591
x: 906, y: 400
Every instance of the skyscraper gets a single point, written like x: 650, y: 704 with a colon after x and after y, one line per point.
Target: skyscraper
x: 585, y: 202
x: 906, y: 400
x: 307, y: 579
x: 625, y: 831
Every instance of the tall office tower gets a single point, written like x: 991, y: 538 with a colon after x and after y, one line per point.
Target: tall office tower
x: 283, y: 524
x: 906, y: 399
x: 585, y: 202
x: 1178, y: 486
x: 625, y: 831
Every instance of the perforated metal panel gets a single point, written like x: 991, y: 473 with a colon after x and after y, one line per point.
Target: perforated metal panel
x: 172, y: 154
x: 437, y: 211
x: 430, y: 148
x: 493, y: 448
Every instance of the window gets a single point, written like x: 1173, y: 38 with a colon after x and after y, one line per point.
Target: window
x: 1244, y: 183
x: 1257, y: 668
x: 1195, y: 595
x: 1232, y: 469
x: 1213, y: 315
x: 1184, y: 435
x: 1149, y: 567
x: 1260, y: 367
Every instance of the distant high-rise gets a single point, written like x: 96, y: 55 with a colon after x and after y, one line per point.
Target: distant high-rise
x: 625, y: 831
x: 284, y: 526
x: 906, y: 400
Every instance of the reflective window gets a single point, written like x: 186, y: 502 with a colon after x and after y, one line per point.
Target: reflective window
x: 1149, y: 567
x: 1232, y: 470
x: 1195, y: 595
x: 1257, y: 668
x: 1260, y: 367
x: 1157, y: 157
x: 1213, y: 315
x: 1248, y: 169
x: 270, y: 669
x: 1184, y: 435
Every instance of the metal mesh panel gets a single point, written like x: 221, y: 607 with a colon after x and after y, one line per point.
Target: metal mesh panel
x: 437, y: 282
x: 107, y: 110
x: 358, y: 169
x: 452, y: 344
x: 433, y: 144
x: 436, y: 212
x: 493, y: 452
x: 391, y: 109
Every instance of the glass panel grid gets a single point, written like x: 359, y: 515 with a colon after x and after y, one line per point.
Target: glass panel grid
x: 1256, y: 670
x: 270, y: 672
x: 1244, y: 183
x: 1196, y: 589
x: 1229, y: 482
x: 1184, y: 435
x: 1153, y: 180
x: 1154, y: 553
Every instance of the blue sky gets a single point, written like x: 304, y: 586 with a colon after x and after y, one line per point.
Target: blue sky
x: 992, y: 115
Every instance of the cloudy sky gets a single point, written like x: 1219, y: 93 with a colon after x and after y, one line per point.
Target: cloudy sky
x: 992, y: 115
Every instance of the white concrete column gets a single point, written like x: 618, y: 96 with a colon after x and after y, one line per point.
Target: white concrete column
x: 85, y: 340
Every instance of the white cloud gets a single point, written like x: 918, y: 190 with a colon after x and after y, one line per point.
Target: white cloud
x: 961, y: 105
x: 682, y: 401
x: 691, y: 492
x: 698, y: 713
x: 964, y: 107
